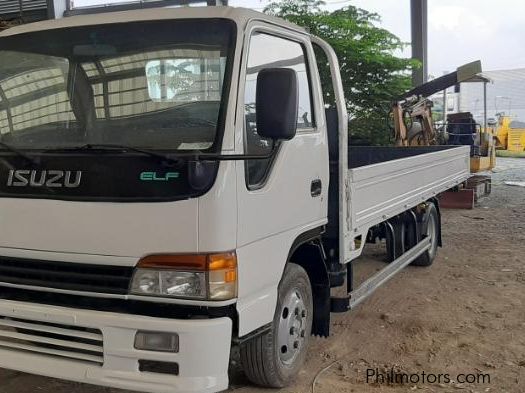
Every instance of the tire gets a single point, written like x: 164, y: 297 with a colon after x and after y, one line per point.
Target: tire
x: 433, y: 228
x: 274, y: 359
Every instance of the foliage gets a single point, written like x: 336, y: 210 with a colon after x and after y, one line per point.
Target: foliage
x: 373, y: 76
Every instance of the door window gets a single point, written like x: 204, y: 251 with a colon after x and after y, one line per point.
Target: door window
x: 268, y: 51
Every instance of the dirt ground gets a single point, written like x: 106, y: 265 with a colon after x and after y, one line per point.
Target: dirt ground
x: 464, y: 315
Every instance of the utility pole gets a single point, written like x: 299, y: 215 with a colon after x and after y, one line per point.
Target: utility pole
x: 445, y: 107
x: 21, y: 5
x: 419, y: 29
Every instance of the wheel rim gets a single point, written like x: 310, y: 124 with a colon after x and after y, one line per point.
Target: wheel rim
x: 292, y: 327
x: 431, y: 233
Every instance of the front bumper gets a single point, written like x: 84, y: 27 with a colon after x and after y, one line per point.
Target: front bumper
x: 203, y: 357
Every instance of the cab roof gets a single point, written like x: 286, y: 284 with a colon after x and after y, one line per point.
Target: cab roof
x: 239, y: 15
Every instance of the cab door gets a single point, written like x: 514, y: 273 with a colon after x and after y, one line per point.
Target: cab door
x: 282, y: 197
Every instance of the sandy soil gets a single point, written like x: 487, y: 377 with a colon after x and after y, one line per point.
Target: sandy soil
x: 463, y: 315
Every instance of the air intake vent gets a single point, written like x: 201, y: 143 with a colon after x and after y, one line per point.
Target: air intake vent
x: 80, y: 344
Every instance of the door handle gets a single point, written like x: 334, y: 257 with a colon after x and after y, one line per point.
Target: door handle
x: 316, y: 187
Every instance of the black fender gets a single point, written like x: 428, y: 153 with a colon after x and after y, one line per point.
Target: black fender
x: 307, y: 251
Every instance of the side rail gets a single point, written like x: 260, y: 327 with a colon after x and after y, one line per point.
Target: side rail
x: 413, y: 237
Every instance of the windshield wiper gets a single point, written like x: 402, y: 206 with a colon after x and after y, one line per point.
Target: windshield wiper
x: 196, y: 155
x: 120, y: 148
x: 173, y: 158
x: 19, y: 153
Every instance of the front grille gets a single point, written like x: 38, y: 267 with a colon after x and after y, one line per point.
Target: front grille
x: 50, y: 339
x: 65, y: 275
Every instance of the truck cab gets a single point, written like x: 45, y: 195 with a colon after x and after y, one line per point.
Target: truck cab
x: 172, y: 185
x: 94, y: 226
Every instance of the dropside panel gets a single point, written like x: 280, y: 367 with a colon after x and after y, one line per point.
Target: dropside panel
x: 383, y: 190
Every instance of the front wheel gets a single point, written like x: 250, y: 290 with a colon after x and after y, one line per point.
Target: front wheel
x: 274, y: 358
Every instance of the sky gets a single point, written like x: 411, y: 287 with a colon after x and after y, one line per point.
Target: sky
x: 459, y: 31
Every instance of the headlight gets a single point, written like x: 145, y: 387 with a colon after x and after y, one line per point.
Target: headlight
x: 169, y: 283
x: 206, y: 277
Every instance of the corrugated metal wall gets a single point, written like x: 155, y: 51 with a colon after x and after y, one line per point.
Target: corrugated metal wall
x: 506, y: 94
x: 8, y: 7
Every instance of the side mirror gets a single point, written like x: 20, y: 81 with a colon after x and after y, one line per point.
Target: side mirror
x: 276, y: 102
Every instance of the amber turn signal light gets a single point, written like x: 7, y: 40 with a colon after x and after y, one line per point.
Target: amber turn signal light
x: 216, y: 271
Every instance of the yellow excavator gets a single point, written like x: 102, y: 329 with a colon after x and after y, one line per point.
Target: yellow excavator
x: 509, y: 135
x: 413, y: 124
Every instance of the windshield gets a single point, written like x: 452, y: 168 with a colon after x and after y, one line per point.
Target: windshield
x: 155, y: 85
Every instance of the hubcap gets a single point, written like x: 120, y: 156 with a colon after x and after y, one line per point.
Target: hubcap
x: 292, y: 327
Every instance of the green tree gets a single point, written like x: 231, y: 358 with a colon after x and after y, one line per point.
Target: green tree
x: 373, y: 76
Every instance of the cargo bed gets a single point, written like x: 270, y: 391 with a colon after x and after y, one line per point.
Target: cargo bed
x: 383, y: 182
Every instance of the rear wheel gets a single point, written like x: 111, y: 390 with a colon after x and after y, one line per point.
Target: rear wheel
x: 432, y: 232
x: 274, y: 358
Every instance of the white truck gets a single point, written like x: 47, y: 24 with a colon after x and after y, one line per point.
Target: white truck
x: 173, y: 185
